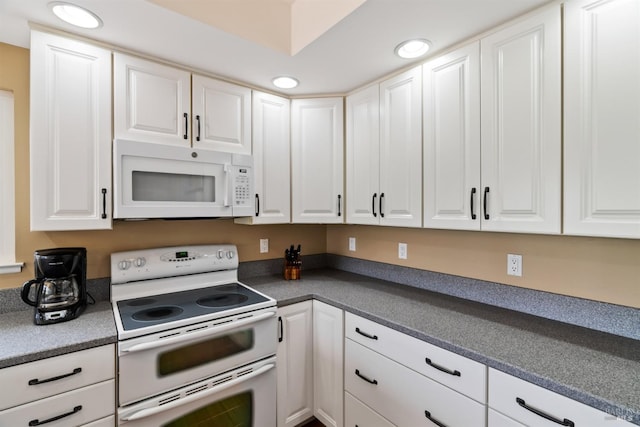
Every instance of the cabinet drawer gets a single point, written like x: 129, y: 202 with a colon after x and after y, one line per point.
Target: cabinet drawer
x: 358, y: 414
x: 457, y: 372
x: 519, y: 399
x: 496, y: 419
x: 44, y: 378
x: 75, y: 407
x: 403, y: 396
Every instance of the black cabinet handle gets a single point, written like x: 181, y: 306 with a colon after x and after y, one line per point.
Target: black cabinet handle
x: 442, y: 368
x: 281, y: 336
x: 364, y: 334
x: 564, y: 422
x: 373, y: 204
x: 484, y: 202
x: 380, y: 207
x: 433, y: 420
x: 370, y: 381
x: 257, y: 204
x: 104, y: 203
x: 37, y: 422
x: 36, y: 381
x: 198, y: 122
x: 473, y: 197
x: 186, y: 126
x: 339, y: 203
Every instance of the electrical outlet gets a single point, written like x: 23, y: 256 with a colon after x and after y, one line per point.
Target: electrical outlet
x: 402, y: 250
x: 352, y: 244
x: 264, y: 246
x: 514, y: 265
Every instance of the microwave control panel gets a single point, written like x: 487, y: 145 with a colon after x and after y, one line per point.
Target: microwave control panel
x: 242, y: 187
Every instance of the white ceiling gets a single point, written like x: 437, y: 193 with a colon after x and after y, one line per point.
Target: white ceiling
x: 357, y: 50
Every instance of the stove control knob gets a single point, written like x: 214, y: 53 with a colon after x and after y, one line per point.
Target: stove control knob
x: 230, y: 254
x: 220, y: 254
x: 124, y: 265
x: 139, y: 262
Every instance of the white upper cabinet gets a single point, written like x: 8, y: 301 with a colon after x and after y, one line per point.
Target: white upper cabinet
x: 521, y: 126
x: 317, y: 160
x: 70, y: 134
x: 363, y: 156
x: 271, y: 159
x: 452, y: 140
x: 152, y: 102
x: 158, y: 103
x: 221, y: 116
x: 400, y: 199
x: 601, y: 112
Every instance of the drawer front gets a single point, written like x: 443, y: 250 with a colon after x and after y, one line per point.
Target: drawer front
x: 457, y: 372
x: 357, y: 414
x: 47, y: 377
x: 74, y: 408
x: 403, y: 396
x: 103, y: 422
x: 520, y: 399
x: 496, y: 419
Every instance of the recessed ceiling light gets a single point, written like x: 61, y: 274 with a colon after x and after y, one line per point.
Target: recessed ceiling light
x: 285, y: 82
x: 412, y: 48
x: 75, y: 15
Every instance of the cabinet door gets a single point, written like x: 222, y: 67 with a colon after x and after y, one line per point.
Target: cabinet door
x: 451, y: 106
x: 521, y: 126
x: 317, y: 160
x: 295, y: 364
x: 601, y: 111
x: 401, y: 149
x: 151, y: 101
x: 70, y: 141
x: 271, y: 159
x: 328, y: 350
x: 221, y: 116
x: 363, y: 156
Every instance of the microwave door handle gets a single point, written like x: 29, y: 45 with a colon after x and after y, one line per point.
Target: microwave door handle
x: 227, y: 184
x: 147, y: 412
x: 199, y: 334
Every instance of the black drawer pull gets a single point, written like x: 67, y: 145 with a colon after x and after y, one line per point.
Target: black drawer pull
x: 442, y: 368
x: 198, y: 122
x: 104, y: 204
x: 37, y: 422
x: 186, y: 126
x: 281, y: 336
x: 484, y: 203
x: 373, y: 206
x: 544, y: 415
x: 370, y: 381
x: 433, y: 420
x: 364, y: 334
x: 473, y: 198
x: 339, y: 205
x: 380, y: 205
x: 36, y: 381
x: 257, y: 205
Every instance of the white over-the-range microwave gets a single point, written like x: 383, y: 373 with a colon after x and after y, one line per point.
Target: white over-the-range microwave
x: 164, y: 181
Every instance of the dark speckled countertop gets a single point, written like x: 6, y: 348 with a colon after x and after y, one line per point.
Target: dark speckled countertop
x: 597, y: 368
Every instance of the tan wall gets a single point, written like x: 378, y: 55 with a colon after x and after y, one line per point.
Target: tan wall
x: 599, y: 269
x: 593, y: 268
x: 14, y: 76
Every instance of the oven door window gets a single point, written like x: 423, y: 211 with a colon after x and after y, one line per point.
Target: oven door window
x: 172, y: 187
x: 234, y: 411
x: 203, y: 352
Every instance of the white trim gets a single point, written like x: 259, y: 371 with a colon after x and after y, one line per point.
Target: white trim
x: 7, y: 189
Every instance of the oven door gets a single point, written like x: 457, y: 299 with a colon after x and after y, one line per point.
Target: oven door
x: 164, y: 181
x: 153, y: 364
x: 242, y: 398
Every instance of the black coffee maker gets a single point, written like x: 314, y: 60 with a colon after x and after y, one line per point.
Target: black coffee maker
x: 60, y: 285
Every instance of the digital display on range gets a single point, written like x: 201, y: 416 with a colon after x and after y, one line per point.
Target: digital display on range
x: 182, y: 254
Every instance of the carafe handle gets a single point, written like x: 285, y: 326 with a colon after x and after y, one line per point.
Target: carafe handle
x: 26, y: 288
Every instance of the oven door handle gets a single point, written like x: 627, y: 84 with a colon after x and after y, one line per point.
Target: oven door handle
x: 147, y: 412
x: 199, y: 334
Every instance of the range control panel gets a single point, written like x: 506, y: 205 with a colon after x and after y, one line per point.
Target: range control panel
x: 173, y: 261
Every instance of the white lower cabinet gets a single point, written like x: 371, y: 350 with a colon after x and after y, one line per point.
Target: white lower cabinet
x: 73, y: 389
x: 530, y: 405
x: 357, y: 414
x: 295, y: 364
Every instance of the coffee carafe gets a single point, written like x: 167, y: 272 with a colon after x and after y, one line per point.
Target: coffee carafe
x: 60, y: 285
